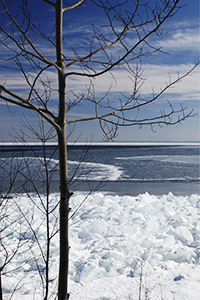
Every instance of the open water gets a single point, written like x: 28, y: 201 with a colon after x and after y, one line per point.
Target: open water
x: 121, y: 169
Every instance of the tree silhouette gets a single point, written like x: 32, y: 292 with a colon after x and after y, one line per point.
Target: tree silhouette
x: 35, y: 51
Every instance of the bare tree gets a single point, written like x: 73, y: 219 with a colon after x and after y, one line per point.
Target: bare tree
x: 19, y: 226
x: 9, y: 218
x: 32, y: 51
x: 30, y: 172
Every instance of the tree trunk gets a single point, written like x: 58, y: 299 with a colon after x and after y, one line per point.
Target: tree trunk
x: 62, y: 146
x: 64, y: 194
x: 64, y: 212
x: 1, y: 294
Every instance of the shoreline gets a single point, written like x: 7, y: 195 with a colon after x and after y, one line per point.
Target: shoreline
x: 4, y: 144
x: 136, y: 188
x: 120, y: 188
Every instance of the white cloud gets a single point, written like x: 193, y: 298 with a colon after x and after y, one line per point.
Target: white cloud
x: 70, y: 115
x: 156, y: 77
x: 182, y: 40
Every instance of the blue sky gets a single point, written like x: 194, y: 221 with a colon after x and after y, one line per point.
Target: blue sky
x: 180, y: 43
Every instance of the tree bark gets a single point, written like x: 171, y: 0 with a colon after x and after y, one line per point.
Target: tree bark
x: 1, y: 294
x: 62, y: 146
x: 64, y: 213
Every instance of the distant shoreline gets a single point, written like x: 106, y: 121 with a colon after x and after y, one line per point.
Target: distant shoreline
x: 3, y: 144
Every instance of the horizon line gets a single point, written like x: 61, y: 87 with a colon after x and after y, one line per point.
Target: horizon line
x: 109, y: 143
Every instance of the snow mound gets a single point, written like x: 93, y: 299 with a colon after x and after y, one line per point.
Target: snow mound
x: 113, y: 240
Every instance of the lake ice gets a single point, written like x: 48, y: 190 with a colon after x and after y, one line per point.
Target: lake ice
x: 113, y: 239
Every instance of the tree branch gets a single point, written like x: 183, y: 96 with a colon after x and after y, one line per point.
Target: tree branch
x: 73, y: 6
x: 119, y: 37
x: 39, y: 55
x: 49, y: 2
x: 124, y: 107
x: 29, y: 105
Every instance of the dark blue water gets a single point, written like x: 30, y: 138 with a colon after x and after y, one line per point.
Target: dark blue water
x: 145, y: 167
x: 153, y: 163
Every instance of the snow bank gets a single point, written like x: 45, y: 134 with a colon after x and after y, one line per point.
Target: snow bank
x: 113, y: 239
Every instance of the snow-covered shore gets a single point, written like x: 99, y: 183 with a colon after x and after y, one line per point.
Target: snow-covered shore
x: 112, y: 239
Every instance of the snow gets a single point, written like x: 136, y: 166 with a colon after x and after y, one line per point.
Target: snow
x: 97, y: 171
x: 113, y: 239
